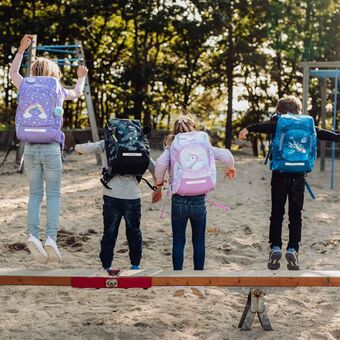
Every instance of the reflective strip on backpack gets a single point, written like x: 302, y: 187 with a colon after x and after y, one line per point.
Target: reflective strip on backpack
x: 196, y: 182
x: 132, y: 154
x: 34, y: 130
x: 294, y: 164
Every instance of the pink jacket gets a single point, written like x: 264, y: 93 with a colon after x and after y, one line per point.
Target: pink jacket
x: 163, y: 162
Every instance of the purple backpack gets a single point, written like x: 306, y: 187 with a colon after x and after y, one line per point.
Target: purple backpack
x: 39, y: 114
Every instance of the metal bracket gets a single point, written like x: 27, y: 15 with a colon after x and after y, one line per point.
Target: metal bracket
x: 255, y: 305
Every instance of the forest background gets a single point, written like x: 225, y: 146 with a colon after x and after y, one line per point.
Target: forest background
x: 226, y: 61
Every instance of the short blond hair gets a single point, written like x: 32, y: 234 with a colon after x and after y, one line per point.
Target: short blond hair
x: 45, y: 67
x: 289, y: 104
x: 184, y: 123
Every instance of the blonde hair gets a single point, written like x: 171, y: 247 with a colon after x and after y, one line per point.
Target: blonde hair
x: 185, y: 123
x: 289, y: 104
x: 45, y: 67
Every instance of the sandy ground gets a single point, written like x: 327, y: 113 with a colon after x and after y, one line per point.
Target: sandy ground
x: 236, y: 241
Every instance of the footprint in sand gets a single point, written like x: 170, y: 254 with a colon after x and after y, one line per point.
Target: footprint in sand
x: 17, y: 246
x: 336, y: 333
x: 247, y: 230
x: 67, y: 239
x: 324, y: 246
x: 122, y: 251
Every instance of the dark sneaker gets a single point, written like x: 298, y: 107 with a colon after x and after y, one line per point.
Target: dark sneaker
x: 292, y: 259
x: 274, y: 258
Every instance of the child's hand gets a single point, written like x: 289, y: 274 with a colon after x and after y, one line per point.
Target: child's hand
x: 82, y: 71
x: 230, y: 173
x: 25, y: 42
x: 156, y: 196
x: 77, y: 149
x: 243, y: 133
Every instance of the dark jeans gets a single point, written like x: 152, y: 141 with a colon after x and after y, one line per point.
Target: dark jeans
x: 293, y: 188
x: 113, y: 211
x: 182, y: 209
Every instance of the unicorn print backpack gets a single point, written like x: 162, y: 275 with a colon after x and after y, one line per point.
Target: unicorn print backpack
x: 192, y: 168
x: 39, y: 113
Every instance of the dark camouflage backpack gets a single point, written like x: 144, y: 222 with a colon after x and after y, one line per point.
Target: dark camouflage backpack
x: 127, y: 149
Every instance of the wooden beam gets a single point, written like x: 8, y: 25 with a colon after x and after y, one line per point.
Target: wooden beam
x: 63, y: 277
x: 249, y: 279
x: 305, y: 86
x: 89, y: 103
x: 320, y: 64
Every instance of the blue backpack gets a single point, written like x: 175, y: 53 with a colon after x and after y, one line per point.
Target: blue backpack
x: 294, y: 144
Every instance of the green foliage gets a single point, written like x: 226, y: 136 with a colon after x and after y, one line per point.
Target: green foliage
x: 150, y: 59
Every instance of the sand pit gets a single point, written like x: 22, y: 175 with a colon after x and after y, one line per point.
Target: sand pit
x: 235, y: 241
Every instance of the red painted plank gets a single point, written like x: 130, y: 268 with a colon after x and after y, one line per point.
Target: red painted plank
x: 111, y: 282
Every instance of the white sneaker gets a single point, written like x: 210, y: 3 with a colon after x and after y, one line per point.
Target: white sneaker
x: 178, y: 291
x: 198, y: 291
x: 52, y: 250
x: 36, y: 249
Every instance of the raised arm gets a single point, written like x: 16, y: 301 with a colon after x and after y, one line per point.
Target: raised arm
x: 16, y: 63
x: 78, y: 89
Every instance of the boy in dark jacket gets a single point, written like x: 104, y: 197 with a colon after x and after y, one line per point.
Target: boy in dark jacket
x: 286, y: 185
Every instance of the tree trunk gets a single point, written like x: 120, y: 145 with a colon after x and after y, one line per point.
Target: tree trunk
x: 230, y: 69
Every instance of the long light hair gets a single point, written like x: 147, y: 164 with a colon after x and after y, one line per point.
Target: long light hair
x: 45, y: 67
x: 185, y: 123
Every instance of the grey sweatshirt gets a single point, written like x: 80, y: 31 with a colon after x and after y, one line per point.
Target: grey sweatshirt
x: 123, y: 187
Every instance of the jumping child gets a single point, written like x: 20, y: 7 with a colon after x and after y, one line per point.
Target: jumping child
x: 190, y: 159
x: 121, y: 193
x: 296, y: 139
x: 38, y: 123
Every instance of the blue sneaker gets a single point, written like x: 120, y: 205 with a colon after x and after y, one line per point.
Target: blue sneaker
x: 274, y: 258
x: 135, y: 267
x: 292, y: 259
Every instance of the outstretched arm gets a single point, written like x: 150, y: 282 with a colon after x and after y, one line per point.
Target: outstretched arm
x: 328, y: 135
x: 90, y: 147
x: 16, y: 63
x: 266, y: 127
x: 78, y: 89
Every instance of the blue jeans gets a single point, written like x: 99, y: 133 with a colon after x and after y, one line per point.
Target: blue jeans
x: 182, y: 209
x: 43, y: 161
x: 113, y: 211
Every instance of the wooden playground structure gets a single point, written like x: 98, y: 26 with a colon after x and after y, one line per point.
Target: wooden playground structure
x: 256, y: 280
x: 323, y: 71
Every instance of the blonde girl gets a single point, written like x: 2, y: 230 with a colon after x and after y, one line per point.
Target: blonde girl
x: 43, y: 161
x: 184, y: 208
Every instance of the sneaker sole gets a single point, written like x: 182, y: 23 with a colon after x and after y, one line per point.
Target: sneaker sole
x: 274, y: 263
x: 37, y: 256
x: 291, y: 265
x: 52, y: 255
